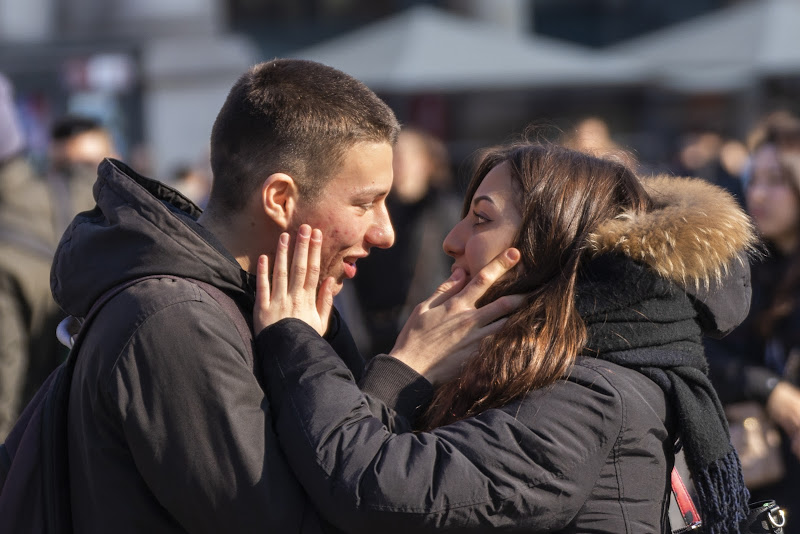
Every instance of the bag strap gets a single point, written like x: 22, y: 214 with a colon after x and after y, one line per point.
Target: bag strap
x: 691, y: 518
x: 98, y: 304
x: 764, y: 516
x: 231, y: 309
x: 55, y: 471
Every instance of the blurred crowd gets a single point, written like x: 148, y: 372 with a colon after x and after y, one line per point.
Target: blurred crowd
x: 756, y: 369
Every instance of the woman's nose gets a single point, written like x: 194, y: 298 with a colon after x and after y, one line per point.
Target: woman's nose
x: 453, y: 244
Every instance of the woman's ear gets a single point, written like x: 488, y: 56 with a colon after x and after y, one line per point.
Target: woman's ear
x: 279, y: 196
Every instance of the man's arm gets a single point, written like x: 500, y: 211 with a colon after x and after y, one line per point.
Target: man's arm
x: 394, y: 391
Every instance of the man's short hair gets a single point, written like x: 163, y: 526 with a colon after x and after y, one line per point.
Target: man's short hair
x: 292, y: 116
x: 70, y: 126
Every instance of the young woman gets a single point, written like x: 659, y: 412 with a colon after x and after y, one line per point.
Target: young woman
x: 760, y: 360
x: 566, y: 418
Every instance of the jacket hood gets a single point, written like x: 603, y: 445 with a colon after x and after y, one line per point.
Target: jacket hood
x: 139, y: 227
x: 696, y: 236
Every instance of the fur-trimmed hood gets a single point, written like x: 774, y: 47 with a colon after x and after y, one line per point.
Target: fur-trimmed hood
x: 692, y: 236
x: 696, y: 236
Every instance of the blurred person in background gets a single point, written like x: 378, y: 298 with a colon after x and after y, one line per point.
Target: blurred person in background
x: 77, y: 146
x: 423, y: 207
x: 192, y: 182
x: 701, y: 154
x: 34, y: 212
x: 28, y: 237
x: 760, y: 360
x: 592, y: 135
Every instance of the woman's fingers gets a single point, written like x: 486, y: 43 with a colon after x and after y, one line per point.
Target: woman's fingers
x: 447, y: 329
x: 314, y: 255
x: 261, y: 307
x: 325, y: 300
x: 487, y: 276
x: 449, y: 287
x: 453, y: 291
x: 489, y: 314
x: 280, y: 271
x: 297, y: 280
x: 292, y: 292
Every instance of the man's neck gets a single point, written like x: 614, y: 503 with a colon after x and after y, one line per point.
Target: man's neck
x: 235, y: 235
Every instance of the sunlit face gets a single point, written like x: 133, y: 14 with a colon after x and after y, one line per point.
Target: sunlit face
x: 771, y: 199
x: 351, y: 210
x: 87, y: 148
x: 490, y: 226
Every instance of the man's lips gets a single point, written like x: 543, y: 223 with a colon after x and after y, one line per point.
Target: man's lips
x: 350, y: 265
x: 349, y: 269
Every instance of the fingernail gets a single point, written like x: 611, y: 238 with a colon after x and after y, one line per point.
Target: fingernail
x: 512, y: 254
x: 284, y: 239
x: 316, y: 235
x: 305, y: 230
x: 457, y: 275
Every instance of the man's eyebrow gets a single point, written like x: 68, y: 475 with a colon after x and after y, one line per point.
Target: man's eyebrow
x: 371, y: 192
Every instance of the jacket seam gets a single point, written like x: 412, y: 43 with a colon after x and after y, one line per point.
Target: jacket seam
x: 114, y: 367
x: 617, y: 464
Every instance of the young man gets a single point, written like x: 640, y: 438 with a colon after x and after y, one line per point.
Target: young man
x: 169, y: 428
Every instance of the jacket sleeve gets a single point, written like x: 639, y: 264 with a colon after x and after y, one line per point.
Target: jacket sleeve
x: 197, y: 422
x: 530, y: 465
x: 395, y: 392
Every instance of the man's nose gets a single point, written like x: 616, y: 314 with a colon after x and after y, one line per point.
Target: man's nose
x: 381, y: 234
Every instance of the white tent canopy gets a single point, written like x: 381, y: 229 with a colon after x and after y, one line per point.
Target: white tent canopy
x: 727, y: 49
x: 425, y: 49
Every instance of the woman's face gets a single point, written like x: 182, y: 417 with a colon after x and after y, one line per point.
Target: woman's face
x: 771, y: 199
x: 490, y: 226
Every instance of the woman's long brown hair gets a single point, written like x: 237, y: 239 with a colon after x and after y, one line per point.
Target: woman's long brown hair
x: 563, y: 196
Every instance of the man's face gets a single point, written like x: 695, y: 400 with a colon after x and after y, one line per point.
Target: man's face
x: 351, y: 210
x: 87, y: 149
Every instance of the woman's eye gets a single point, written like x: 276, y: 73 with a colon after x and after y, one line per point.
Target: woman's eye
x: 479, y: 219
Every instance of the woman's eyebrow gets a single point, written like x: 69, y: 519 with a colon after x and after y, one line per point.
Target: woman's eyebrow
x: 487, y: 198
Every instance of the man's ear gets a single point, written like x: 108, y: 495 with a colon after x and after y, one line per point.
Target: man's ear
x: 279, y: 195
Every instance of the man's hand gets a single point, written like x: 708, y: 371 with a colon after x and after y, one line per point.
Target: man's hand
x: 446, y: 329
x: 294, y: 294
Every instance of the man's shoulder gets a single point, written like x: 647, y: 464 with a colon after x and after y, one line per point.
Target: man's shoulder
x: 151, y: 295
x: 165, y: 315
x: 169, y: 304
